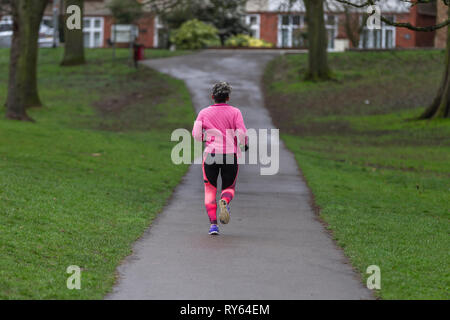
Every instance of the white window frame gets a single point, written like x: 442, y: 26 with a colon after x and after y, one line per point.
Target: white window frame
x: 290, y: 28
x: 91, y: 30
x: 128, y: 32
x: 254, y: 27
x: 384, y: 27
x: 157, y: 25
x: 334, y: 27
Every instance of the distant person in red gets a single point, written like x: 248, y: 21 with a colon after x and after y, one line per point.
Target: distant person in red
x: 223, y: 128
x: 136, y: 54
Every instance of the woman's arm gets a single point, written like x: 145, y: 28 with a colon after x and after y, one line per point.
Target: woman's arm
x: 197, y: 130
x: 241, y: 130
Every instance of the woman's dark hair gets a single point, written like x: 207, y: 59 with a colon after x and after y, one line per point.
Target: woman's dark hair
x: 221, y: 92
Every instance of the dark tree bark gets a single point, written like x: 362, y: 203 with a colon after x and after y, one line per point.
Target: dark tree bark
x: 22, y: 86
x: 318, y: 68
x: 440, y: 108
x: 74, y: 43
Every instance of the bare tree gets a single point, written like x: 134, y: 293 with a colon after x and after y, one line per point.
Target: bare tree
x: 440, y: 107
x: 354, y: 24
x: 318, y: 68
x: 22, y: 86
x: 5, y: 7
x: 162, y: 6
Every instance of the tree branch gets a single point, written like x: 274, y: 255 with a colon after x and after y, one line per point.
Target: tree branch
x: 356, y: 5
x: 409, y: 26
x: 406, y: 25
x: 161, y: 6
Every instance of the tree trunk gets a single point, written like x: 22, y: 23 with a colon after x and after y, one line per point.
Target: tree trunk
x: 74, y: 42
x: 22, y: 86
x: 354, y: 26
x: 440, y: 108
x: 349, y: 27
x: 317, y: 42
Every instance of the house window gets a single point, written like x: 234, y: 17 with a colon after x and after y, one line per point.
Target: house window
x: 253, y: 22
x: 124, y: 33
x: 331, y: 24
x: 383, y: 38
x: 296, y: 20
x: 389, y: 39
x: 93, y: 32
x: 161, y: 34
x: 290, y: 31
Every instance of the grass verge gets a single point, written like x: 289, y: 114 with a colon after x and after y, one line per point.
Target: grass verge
x: 382, y: 182
x: 80, y: 185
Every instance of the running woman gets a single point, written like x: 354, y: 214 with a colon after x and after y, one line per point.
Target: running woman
x: 222, y: 128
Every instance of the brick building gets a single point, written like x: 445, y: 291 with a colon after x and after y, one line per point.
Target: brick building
x: 98, y: 26
x: 282, y: 25
x: 273, y: 21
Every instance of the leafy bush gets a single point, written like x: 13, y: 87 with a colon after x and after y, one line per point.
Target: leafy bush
x: 243, y: 40
x: 227, y: 16
x: 194, y: 34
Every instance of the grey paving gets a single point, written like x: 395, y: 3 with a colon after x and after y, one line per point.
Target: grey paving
x: 273, y: 248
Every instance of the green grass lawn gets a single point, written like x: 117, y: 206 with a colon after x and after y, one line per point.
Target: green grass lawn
x: 80, y: 185
x: 382, y: 182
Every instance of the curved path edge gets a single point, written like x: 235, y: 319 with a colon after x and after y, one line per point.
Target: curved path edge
x: 273, y: 248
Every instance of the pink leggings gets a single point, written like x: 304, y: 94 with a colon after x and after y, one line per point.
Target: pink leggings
x: 227, y: 166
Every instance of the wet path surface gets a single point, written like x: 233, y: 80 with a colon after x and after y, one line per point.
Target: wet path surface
x: 273, y: 248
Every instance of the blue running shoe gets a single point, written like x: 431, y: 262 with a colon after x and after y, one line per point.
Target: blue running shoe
x: 224, y: 215
x: 214, y: 229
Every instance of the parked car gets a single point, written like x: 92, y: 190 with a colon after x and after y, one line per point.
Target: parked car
x: 45, y: 36
x: 6, y: 31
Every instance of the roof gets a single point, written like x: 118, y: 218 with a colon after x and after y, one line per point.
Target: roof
x: 91, y: 8
x: 390, y: 6
x: 94, y: 8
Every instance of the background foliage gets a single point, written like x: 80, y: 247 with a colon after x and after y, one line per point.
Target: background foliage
x: 195, y: 34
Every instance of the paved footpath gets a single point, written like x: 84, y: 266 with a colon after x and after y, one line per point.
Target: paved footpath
x: 273, y: 248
